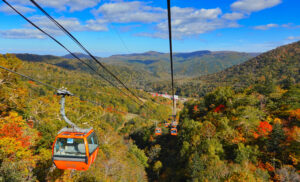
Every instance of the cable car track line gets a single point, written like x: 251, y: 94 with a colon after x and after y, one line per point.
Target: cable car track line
x: 74, y: 55
x: 171, y: 53
x: 84, y: 49
x: 55, y: 88
x: 29, y: 78
x: 59, y: 43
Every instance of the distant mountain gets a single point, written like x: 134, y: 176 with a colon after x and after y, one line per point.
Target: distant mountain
x: 185, y: 64
x: 140, y: 69
x: 192, y: 54
x: 157, y: 64
x: 281, y: 65
x: 80, y: 55
x: 276, y: 64
x: 37, y: 58
x: 149, y: 53
x: 133, y: 77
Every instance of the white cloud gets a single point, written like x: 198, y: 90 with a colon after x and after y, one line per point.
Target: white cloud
x: 71, y: 24
x: 23, y: 9
x: 125, y: 12
x: 194, y: 14
x: 290, y: 25
x: 185, y: 21
x: 266, y: 27
x: 23, y: 33
x: 271, y: 25
x: 96, y: 25
x: 73, y: 5
x: 233, y: 16
x: 62, y: 5
x: 293, y: 38
x: 253, y: 5
x: 188, y: 28
x: 191, y: 22
x: 184, y: 30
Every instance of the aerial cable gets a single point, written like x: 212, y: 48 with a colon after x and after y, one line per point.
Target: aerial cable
x: 55, y: 88
x: 45, y: 84
x: 84, y: 49
x: 122, y: 40
x: 42, y: 83
x: 74, y: 55
x: 29, y: 78
x: 171, y: 55
x: 119, y: 36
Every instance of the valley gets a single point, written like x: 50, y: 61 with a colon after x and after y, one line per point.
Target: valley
x: 223, y: 121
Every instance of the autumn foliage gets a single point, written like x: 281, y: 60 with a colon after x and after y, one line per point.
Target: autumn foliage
x: 263, y: 129
x: 227, y: 135
x: 295, y: 114
x: 219, y: 108
x: 195, y: 108
x: 30, y: 120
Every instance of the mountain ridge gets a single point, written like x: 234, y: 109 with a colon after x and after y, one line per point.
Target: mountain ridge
x: 78, y: 54
x: 280, y: 65
x: 156, y: 63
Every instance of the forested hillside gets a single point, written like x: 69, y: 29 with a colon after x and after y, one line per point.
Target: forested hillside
x: 232, y: 136
x: 30, y: 120
x: 278, y: 66
x: 250, y: 133
x: 185, y: 64
x: 244, y: 124
x: 228, y: 136
x: 143, y: 68
x: 133, y: 77
x: 226, y: 110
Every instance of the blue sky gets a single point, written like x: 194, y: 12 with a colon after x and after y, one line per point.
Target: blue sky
x: 109, y: 27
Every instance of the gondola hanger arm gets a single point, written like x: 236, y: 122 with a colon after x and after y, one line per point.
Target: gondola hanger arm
x: 63, y: 92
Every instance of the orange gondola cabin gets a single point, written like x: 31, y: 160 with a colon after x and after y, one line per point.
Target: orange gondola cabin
x: 174, y: 124
x: 75, y: 149
x: 158, y: 131
x: 174, y: 131
x: 167, y: 124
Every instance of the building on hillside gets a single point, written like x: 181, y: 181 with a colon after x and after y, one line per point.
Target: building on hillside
x: 164, y: 95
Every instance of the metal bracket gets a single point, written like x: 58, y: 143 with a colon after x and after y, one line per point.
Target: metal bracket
x: 63, y: 93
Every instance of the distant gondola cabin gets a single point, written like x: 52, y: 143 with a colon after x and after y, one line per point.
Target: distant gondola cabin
x: 174, y: 124
x: 174, y: 131
x: 158, y: 131
x: 167, y: 125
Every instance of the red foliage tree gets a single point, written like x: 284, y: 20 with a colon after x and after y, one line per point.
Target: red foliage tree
x: 15, y: 131
x: 195, y: 108
x: 295, y: 114
x: 219, y: 108
x: 263, y: 129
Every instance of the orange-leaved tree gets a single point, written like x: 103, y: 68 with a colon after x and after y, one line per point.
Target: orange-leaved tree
x: 16, y: 141
x: 263, y: 129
